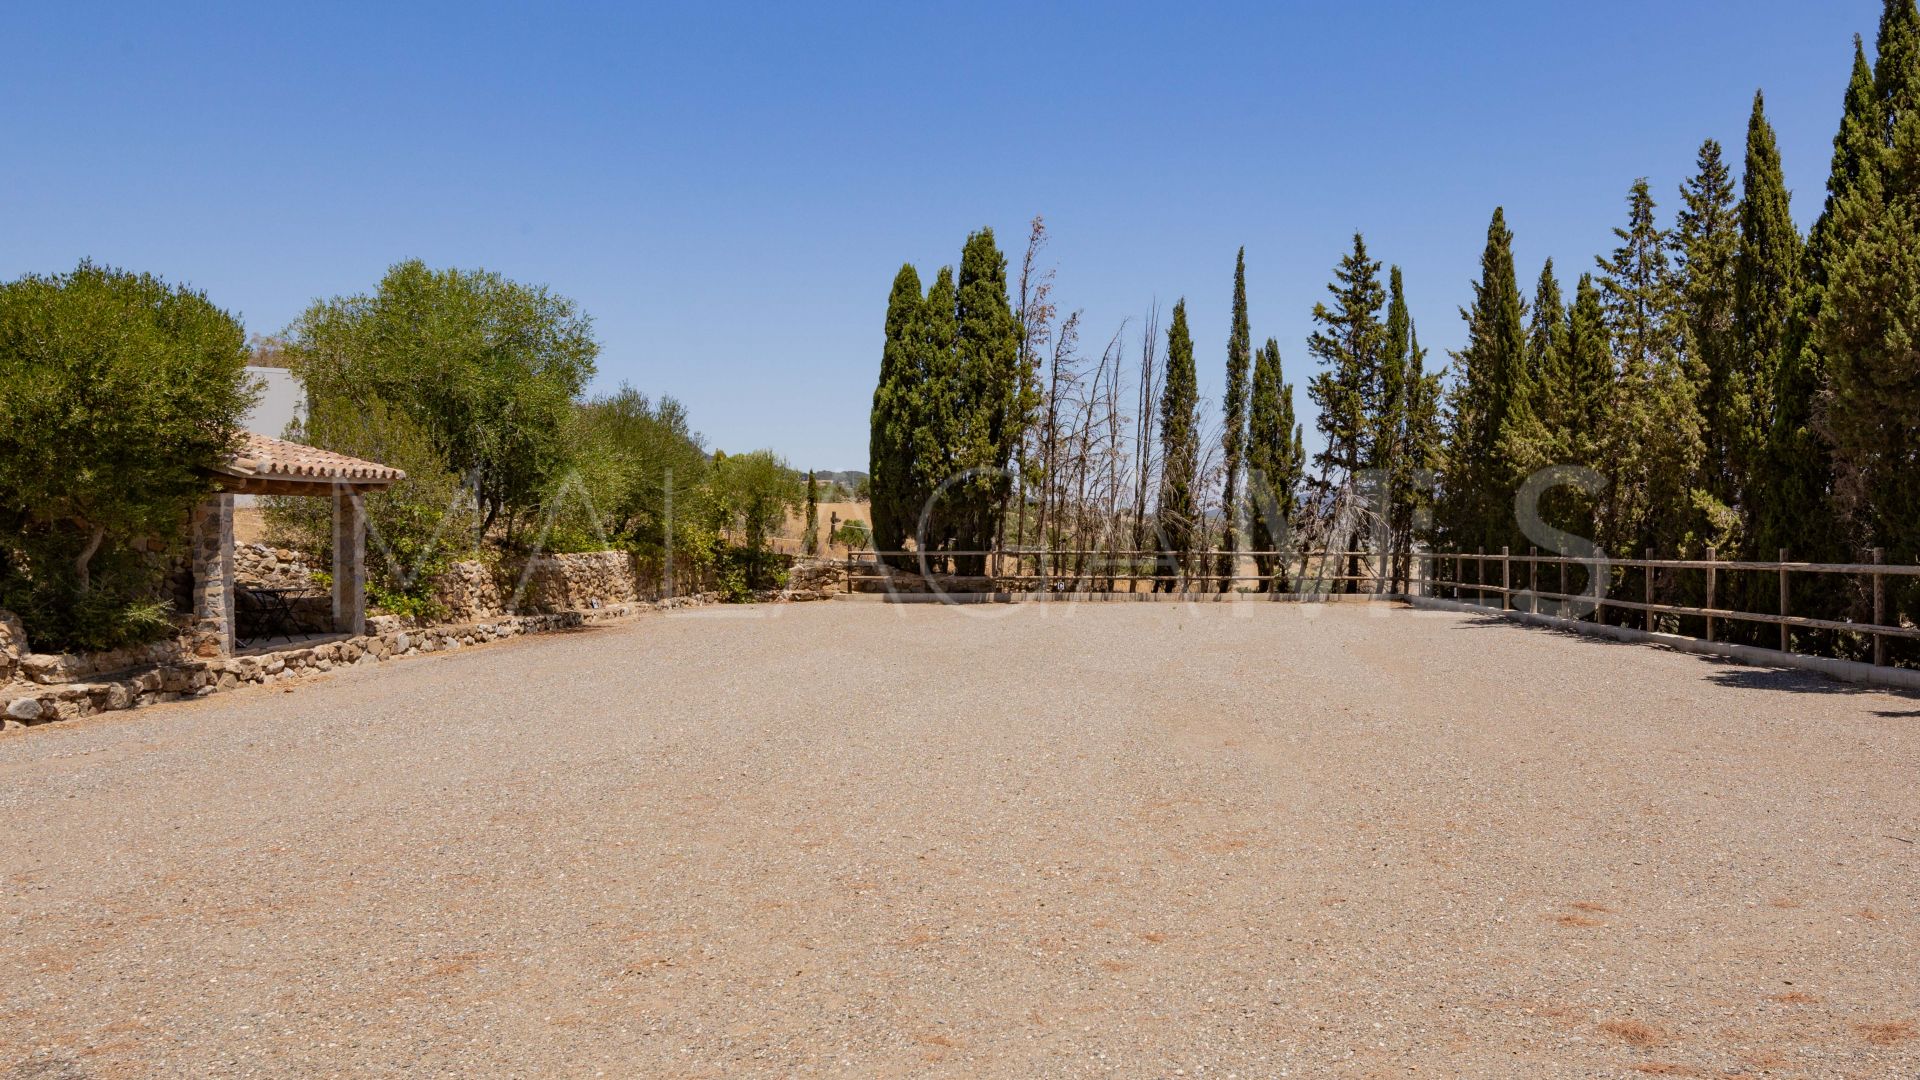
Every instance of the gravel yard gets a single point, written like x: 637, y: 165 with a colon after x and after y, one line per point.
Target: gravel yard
x: 868, y: 840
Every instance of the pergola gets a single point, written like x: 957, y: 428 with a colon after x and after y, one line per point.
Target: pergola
x: 264, y: 466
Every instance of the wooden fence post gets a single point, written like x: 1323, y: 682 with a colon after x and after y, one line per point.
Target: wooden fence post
x: 1506, y: 578
x: 1480, y: 575
x: 1711, y: 582
x: 1879, y: 609
x: 1649, y: 580
x: 1786, y: 606
x: 1533, y: 581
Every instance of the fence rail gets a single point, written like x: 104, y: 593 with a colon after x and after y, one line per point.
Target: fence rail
x: 1498, y: 577
x: 1879, y: 630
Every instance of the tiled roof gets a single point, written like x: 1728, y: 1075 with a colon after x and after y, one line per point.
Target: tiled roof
x: 277, y: 459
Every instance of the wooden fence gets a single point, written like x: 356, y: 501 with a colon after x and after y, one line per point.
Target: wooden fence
x: 1515, y: 581
x: 1071, y: 570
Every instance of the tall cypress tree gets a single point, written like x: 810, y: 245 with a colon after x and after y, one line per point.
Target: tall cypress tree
x: 1792, y: 500
x: 1871, y: 306
x: 810, y: 540
x: 1179, y: 454
x: 1706, y: 241
x: 1234, y: 438
x: 938, y: 434
x: 1588, y: 393
x: 1768, y: 274
x: 992, y: 413
x: 1276, y: 463
x: 1653, y: 444
x: 1489, y: 399
x: 890, y: 442
x: 1547, y: 351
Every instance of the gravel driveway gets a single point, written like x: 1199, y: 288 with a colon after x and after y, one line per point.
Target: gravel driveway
x: 869, y: 840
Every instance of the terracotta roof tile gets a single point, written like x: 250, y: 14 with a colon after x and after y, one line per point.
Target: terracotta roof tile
x: 278, y: 459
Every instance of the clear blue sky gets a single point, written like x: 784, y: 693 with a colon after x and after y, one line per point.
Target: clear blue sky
x: 729, y: 189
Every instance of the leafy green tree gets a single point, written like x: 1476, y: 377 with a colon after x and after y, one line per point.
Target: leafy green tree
x: 1234, y: 438
x: 416, y: 529
x: 1706, y: 242
x: 1276, y: 464
x: 938, y: 410
x: 646, y: 468
x: 488, y: 367
x: 893, y: 480
x: 1178, y: 514
x: 853, y: 535
x: 752, y: 494
x: 1653, y: 446
x: 118, y: 392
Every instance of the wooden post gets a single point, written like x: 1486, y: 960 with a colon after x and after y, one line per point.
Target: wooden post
x: 1649, y: 580
x: 1533, y: 581
x: 1879, y: 609
x: 1786, y: 606
x: 1506, y: 578
x: 1711, y: 574
x: 1480, y: 575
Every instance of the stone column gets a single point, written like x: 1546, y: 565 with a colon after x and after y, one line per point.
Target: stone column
x: 212, y: 540
x: 349, y: 563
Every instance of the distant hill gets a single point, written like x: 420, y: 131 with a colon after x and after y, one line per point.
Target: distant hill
x: 847, y: 481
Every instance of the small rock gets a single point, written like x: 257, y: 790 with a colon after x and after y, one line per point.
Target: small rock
x: 25, y: 710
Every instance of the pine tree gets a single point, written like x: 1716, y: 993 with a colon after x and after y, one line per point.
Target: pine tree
x: 1406, y: 437
x: 1706, y: 241
x: 1234, y: 438
x: 1276, y: 463
x: 1653, y: 442
x: 1489, y: 400
x: 1767, y: 281
x: 890, y: 444
x: 1584, y: 399
x: 1179, y: 454
x: 1349, y: 346
x: 810, y: 540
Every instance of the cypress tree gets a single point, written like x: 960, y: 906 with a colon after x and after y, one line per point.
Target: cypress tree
x: 1872, y: 304
x: 1275, y: 463
x: 1390, y: 412
x: 934, y: 521
x: 1653, y: 442
x: 1767, y: 280
x: 992, y: 413
x: 1585, y: 401
x: 1489, y: 400
x: 890, y: 442
x: 1792, y: 500
x: 1547, y: 350
x: 1234, y: 438
x: 810, y: 541
x: 1179, y: 453
x: 1706, y: 241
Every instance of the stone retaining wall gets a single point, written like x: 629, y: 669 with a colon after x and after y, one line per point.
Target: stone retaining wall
x: 186, y: 676
x: 579, y: 581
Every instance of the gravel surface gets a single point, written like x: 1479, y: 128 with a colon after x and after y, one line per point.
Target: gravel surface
x: 869, y: 840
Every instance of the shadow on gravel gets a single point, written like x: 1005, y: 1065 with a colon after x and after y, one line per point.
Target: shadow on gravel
x: 1727, y: 671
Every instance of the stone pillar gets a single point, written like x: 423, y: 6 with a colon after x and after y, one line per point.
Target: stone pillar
x: 212, y: 540
x: 349, y: 563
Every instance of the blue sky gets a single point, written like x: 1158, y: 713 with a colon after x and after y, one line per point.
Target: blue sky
x: 729, y: 189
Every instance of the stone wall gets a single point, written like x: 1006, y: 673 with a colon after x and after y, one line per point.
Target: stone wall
x: 272, y: 568
x: 582, y: 581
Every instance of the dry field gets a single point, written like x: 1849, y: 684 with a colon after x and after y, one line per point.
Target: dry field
x: 856, y: 839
